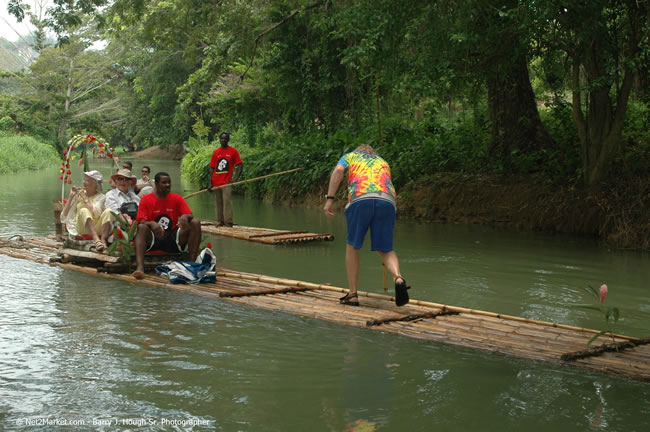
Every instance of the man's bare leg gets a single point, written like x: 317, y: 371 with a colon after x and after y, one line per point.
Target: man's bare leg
x: 352, y: 263
x: 190, y: 235
x: 140, y: 245
x: 392, y: 264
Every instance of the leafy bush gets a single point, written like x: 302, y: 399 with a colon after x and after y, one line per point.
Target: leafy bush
x: 444, y: 142
x: 19, y: 153
x: 6, y: 123
x: 196, y: 163
x: 414, y: 151
x: 565, y: 159
x: 636, y: 156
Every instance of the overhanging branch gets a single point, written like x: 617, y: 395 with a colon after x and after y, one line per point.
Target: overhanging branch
x: 270, y: 29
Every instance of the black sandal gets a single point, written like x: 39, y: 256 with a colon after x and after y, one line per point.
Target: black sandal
x: 401, y: 295
x: 346, y: 300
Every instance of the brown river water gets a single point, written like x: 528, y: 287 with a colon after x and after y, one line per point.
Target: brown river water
x: 85, y: 353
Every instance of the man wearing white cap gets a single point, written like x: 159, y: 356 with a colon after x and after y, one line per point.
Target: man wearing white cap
x: 83, y: 213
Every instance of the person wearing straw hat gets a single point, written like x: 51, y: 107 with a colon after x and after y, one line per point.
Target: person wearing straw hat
x: 224, y: 160
x: 118, y: 198
x: 83, y: 213
x: 371, y: 206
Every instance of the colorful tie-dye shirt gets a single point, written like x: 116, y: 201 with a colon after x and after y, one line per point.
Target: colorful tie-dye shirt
x: 366, y: 173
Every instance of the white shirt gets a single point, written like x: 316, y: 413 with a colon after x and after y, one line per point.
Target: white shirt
x: 115, y: 198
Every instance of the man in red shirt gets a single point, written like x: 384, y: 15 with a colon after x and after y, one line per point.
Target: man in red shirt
x: 165, y: 223
x: 224, y: 160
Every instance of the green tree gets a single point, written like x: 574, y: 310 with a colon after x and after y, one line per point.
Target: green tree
x: 72, y: 84
x: 606, y: 45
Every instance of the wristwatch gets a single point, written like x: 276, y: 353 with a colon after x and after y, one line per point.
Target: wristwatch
x: 330, y: 197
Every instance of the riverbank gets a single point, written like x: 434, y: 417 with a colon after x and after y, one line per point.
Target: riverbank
x: 156, y: 152
x: 24, y: 153
x: 617, y: 213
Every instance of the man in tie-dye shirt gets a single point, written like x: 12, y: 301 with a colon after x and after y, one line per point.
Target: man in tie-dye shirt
x: 371, y: 206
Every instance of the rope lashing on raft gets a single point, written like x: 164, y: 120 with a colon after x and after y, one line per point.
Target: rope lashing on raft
x: 13, y: 242
x: 432, y: 315
x: 263, y: 292
x: 599, y: 350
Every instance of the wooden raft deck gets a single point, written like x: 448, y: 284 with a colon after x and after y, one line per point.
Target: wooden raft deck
x: 263, y: 235
x: 487, y: 331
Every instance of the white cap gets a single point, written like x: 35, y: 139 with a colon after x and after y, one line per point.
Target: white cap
x: 94, y: 174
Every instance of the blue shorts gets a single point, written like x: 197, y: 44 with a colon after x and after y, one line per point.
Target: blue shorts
x: 378, y: 215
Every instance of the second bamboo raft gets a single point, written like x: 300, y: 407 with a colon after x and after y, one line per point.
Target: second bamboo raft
x: 487, y: 331
x: 263, y: 235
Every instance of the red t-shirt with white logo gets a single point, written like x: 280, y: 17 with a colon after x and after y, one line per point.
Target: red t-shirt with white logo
x: 165, y: 211
x: 223, y: 161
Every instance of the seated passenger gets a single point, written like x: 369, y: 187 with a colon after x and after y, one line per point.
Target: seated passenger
x: 145, y: 184
x: 118, y: 199
x: 83, y: 214
x: 165, y: 223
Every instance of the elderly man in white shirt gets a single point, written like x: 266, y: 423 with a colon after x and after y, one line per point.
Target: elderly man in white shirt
x: 122, y: 194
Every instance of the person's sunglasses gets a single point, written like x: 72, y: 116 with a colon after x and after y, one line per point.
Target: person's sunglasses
x: 122, y: 178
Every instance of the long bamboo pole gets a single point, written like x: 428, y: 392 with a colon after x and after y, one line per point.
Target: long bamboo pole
x: 242, y: 182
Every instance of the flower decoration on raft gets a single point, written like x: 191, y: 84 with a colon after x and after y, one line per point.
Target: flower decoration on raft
x: 123, y: 245
x: 100, y: 148
x: 611, y: 314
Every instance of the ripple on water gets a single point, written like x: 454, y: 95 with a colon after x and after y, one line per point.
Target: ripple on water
x: 28, y: 343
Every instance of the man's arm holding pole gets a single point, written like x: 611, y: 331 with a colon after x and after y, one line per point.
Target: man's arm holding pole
x: 209, y: 188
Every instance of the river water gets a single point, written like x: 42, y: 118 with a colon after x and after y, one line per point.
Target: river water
x: 85, y: 353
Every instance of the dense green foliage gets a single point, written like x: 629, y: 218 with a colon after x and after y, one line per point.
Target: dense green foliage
x: 508, y: 86
x: 20, y: 153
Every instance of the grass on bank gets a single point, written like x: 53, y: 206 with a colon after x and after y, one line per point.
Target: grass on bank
x: 23, y: 153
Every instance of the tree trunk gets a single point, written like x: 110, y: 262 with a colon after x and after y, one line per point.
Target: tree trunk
x: 601, y: 130
x: 516, y: 125
x: 63, y: 126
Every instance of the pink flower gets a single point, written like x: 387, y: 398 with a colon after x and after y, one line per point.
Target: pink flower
x: 603, y: 293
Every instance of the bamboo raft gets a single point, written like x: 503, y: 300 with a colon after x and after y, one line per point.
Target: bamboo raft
x: 263, y: 235
x: 557, y: 344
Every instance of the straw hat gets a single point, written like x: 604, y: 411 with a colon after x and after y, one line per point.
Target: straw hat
x: 123, y: 172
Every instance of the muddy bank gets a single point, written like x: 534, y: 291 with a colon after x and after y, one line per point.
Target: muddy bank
x: 618, y: 213
x: 156, y: 152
